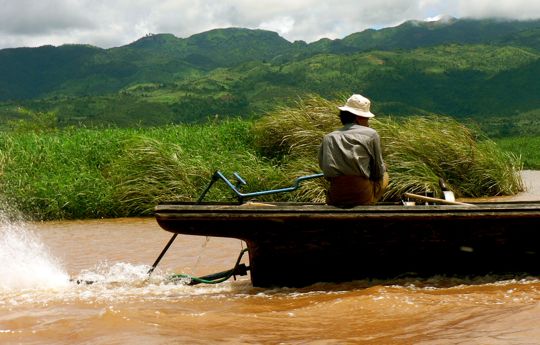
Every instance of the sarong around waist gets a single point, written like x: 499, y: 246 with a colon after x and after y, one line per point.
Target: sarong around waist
x: 349, y: 190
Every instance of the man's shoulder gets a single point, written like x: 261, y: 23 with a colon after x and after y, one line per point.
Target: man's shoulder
x: 352, y: 129
x: 363, y: 130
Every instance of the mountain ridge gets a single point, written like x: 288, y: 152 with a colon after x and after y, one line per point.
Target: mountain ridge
x: 230, y: 47
x: 236, y: 71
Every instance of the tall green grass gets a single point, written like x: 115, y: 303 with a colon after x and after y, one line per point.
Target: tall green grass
x: 527, y: 147
x: 177, y: 163
x: 91, y: 173
x: 59, y: 174
x: 418, y: 151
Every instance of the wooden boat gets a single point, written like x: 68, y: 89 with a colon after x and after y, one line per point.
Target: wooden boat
x: 300, y: 244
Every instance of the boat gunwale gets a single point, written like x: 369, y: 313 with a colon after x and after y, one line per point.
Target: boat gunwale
x: 487, y: 209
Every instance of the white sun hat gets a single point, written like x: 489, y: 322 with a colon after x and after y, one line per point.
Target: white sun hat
x: 358, y: 105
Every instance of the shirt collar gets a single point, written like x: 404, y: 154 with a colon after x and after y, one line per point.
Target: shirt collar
x: 352, y: 125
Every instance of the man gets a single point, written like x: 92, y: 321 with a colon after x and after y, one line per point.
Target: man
x: 351, y: 157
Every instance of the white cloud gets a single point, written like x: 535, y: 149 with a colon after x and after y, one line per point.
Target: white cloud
x: 107, y: 23
x: 41, y: 17
x: 281, y: 25
x: 517, y: 9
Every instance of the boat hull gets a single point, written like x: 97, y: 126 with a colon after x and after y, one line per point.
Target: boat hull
x: 297, y: 245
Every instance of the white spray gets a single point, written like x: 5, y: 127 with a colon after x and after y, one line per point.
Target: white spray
x: 25, y: 262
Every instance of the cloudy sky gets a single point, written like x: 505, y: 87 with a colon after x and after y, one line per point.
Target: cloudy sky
x: 110, y: 23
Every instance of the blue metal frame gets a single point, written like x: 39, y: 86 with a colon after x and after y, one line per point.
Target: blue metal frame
x: 240, y: 182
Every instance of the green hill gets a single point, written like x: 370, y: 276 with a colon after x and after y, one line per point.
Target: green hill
x: 478, y: 69
x: 415, y: 34
x: 84, y: 70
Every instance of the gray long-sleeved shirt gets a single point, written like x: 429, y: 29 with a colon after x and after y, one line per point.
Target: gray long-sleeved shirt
x: 352, y: 150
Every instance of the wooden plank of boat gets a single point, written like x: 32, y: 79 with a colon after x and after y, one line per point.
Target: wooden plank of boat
x: 299, y: 244
x: 435, y: 200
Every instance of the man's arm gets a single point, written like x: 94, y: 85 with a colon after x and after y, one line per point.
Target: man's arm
x: 379, y: 168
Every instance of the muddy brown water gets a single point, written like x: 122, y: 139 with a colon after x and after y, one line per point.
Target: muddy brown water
x: 40, y: 304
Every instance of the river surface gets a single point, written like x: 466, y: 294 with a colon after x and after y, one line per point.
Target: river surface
x: 41, y: 303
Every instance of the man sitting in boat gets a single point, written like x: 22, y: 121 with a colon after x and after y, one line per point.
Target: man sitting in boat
x: 351, y: 157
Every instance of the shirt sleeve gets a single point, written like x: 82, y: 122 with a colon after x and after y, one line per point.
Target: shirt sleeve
x: 321, y: 155
x: 378, y: 168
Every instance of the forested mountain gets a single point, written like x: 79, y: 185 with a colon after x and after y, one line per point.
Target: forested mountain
x: 85, y: 70
x: 464, y: 68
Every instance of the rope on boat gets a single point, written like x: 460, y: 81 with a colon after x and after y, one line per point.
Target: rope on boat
x: 216, y: 278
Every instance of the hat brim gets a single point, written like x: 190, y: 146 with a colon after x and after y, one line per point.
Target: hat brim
x: 357, y: 112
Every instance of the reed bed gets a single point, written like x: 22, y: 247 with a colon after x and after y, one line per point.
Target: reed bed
x: 177, y: 163
x: 418, y: 151
x: 59, y: 174
x: 526, y: 147
x: 91, y: 173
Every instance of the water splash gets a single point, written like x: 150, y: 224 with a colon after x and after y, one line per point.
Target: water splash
x: 121, y: 281
x: 30, y: 275
x: 25, y: 263
x: 118, y: 273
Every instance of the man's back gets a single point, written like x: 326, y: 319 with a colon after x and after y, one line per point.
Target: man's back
x: 353, y: 150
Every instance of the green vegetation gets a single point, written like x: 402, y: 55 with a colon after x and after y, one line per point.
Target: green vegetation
x: 477, y: 82
x: 420, y: 150
x: 525, y: 124
x: 89, y: 173
x: 482, y: 70
x: 177, y: 163
x: 526, y: 147
x: 60, y: 174
x: 78, y: 122
x: 417, y: 150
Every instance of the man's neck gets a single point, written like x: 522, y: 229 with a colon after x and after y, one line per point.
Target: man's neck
x: 362, y: 121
